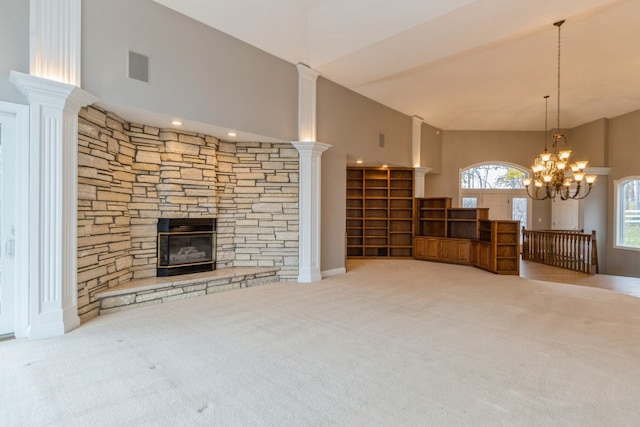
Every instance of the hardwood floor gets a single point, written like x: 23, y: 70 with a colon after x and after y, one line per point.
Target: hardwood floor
x: 624, y: 285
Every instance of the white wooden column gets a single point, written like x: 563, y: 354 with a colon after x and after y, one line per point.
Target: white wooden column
x: 309, y: 209
x: 54, y: 42
x: 416, y: 140
x: 55, y: 98
x: 310, y: 152
x: 52, y: 192
x: 416, y: 147
x: 418, y: 181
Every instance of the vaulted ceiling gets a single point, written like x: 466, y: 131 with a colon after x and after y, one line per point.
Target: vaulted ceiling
x: 458, y: 64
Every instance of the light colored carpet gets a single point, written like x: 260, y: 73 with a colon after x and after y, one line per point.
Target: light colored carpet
x: 391, y: 343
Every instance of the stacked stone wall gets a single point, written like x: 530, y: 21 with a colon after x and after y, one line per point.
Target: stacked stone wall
x: 129, y: 175
x: 258, y: 204
x: 105, y: 188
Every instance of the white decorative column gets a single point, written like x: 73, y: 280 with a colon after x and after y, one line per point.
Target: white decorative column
x: 416, y: 147
x: 416, y: 140
x: 310, y: 152
x: 53, y: 152
x: 309, y: 210
x: 54, y: 40
x: 418, y: 181
x: 52, y: 89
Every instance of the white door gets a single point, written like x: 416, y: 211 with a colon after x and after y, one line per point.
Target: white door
x: 498, y: 204
x: 565, y: 214
x: 7, y: 229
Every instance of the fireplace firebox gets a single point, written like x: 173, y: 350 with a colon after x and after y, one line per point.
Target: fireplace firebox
x: 186, y: 245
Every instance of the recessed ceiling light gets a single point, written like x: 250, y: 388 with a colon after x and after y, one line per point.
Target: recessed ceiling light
x: 231, y: 134
x: 359, y: 162
x: 176, y: 123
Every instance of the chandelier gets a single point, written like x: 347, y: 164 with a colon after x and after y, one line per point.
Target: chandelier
x: 553, y: 175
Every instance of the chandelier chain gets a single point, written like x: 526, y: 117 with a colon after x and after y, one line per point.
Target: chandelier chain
x: 552, y: 174
x: 559, y: 24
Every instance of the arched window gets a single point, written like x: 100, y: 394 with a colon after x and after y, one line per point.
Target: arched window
x: 493, y: 175
x: 627, y: 212
x: 497, y: 186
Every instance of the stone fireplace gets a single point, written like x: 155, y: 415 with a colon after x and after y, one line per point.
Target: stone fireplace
x: 186, y: 245
x: 130, y: 175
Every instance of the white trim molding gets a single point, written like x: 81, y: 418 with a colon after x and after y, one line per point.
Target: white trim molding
x: 309, y: 209
x: 334, y: 272
x: 53, y: 151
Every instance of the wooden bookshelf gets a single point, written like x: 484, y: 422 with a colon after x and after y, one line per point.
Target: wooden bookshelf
x: 464, y: 236
x: 498, y: 247
x: 379, y: 212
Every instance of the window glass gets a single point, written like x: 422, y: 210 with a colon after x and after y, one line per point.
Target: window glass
x: 628, y: 213
x: 469, y: 202
x: 492, y: 176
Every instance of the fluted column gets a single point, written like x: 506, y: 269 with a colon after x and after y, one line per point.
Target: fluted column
x: 55, y: 98
x: 309, y: 206
x: 54, y: 43
x: 52, y: 192
x: 310, y: 152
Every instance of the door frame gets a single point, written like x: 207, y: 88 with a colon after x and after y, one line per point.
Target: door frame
x: 18, y: 157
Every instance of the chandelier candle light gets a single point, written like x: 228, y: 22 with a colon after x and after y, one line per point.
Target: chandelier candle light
x: 550, y: 167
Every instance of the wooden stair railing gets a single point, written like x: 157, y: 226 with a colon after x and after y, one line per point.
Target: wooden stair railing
x: 569, y: 249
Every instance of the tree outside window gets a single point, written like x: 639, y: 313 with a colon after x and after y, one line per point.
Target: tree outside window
x: 492, y: 176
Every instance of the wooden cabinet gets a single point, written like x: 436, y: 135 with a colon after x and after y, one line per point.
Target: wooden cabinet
x: 481, y: 254
x: 379, y: 212
x: 465, y: 236
x: 444, y: 233
x: 456, y: 251
x: 427, y: 248
x: 498, y: 248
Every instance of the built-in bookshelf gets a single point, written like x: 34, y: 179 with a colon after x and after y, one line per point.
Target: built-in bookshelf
x: 379, y: 212
x: 497, y: 248
x: 464, y: 236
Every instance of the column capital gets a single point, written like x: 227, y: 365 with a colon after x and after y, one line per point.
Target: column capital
x: 310, y: 147
x: 45, y: 91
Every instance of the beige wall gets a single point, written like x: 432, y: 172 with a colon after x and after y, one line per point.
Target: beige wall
x: 195, y: 72
x: 624, y: 159
x: 352, y: 123
x: 14, y: 46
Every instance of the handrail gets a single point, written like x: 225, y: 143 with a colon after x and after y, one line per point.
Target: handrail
x: 569, y: 249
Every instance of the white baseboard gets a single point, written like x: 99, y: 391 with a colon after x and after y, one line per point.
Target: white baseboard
x: 333, y: 272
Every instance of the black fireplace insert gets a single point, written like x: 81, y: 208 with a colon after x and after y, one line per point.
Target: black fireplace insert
x: 186, y: 245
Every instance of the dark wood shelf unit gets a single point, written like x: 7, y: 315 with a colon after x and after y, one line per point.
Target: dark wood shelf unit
x: 379, y: 212
x: 498, y: 247
x: 464, y: 236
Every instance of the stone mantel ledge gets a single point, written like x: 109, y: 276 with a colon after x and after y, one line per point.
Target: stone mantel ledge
x: 152, y: 283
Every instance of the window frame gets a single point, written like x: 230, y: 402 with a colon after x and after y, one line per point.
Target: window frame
x: 511, y: 192
x: 618, y: 214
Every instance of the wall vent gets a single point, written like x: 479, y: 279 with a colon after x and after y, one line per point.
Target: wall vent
x: 381, y: 140
x: 138, y: 67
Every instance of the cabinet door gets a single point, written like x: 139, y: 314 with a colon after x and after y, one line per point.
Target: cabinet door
x: 419, y: 248
x: 432, y: 248
x: 462, y: 251
x: 447, y: 250
x: 484, y: 256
